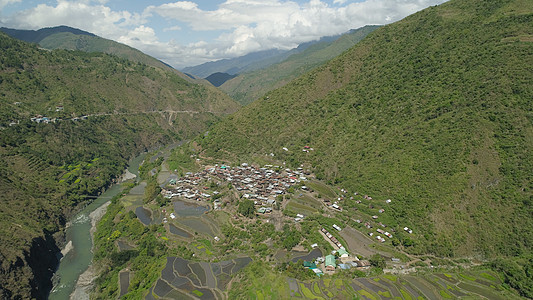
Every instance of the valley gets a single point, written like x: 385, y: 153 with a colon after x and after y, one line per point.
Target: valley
x: 391, y: 162
x: 203, y: 209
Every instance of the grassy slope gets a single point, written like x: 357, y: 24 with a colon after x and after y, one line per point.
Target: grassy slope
x: 249, y: 86
x: 433, y: 111
x: 46, y: 169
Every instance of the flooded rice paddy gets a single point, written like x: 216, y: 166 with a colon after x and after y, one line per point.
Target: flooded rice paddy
x: 178, y: 231
x: 202, y: 280
x: 144, y: 215
x: 186, y: 209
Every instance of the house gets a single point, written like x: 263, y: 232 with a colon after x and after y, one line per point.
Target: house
x: 330, y: 263
x: 345, y: 266
x: 264, y: 210
x: 342, y: 252
x: 318, y: 272
x: 363, y: 264
x: 309, y: 265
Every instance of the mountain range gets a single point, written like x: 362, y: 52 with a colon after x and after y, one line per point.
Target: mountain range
x: 69, y: 123
x: 250, y: 85
x: 252, y: 61
x: 433, y: 112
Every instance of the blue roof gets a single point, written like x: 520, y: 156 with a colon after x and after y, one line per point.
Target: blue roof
x: 344, y: 266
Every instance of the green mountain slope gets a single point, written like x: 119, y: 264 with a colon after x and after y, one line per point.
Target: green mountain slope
x: 249, y: 86
x: 86, y: 43
x: 433, y: 112
x: 64, y: 37
x: 102, y: 111
x: 35, y: 36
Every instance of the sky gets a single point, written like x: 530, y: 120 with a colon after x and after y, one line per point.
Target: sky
x: 188, y: 33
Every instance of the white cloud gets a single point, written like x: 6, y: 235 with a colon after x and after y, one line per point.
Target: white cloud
x: 85, y: 15
x: 250, y: 25
x: 241, y: 26
x: 172, y: 28
x: 4, y: 3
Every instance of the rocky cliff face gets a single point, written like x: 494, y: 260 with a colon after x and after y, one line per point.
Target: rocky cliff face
x: 32, y: 273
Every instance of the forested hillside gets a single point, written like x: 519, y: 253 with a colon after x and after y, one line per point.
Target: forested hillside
x: 253, y: 84
x: 69, y: 123
x: 433, y: 112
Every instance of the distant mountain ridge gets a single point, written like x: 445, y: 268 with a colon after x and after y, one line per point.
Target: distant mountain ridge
x: 217, y: 79
x: 36, y: 36
x: 64, y: 37
x: 252, y: 61
x: 251, y: 85
x: 234, y: 65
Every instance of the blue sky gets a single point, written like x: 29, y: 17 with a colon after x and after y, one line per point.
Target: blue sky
x: 186, y: 33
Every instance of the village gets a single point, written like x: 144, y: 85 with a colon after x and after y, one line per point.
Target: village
x: 266, y: 186
x: 262, y: 185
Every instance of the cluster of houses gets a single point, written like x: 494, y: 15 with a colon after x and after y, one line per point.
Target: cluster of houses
x: 42, y: 119
x: 46, y: 120
x: 187, y: 187
x: 331, y: 238
x: 261, y: 185
x: 335, y: 205
x: 306, y: 149
x: 339, y: 258
x: 380, y: 238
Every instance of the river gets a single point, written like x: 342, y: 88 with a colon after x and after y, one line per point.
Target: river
x: 79, y: 241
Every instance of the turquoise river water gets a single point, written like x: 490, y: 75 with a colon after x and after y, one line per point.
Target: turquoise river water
x: 77, y: 260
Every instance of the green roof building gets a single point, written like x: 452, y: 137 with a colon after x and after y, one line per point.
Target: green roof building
x: 330, y: 263
x: 342, y: 252
x: 310, y: 265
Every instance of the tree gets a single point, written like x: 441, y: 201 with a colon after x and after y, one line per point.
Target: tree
x: 246, y: 208
x: 151, y: 191
x: 378, y: 261
x: 291, y: 238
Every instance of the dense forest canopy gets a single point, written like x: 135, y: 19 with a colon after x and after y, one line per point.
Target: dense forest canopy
x: 433, y: 111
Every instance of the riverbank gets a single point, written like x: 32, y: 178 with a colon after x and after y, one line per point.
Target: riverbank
x: 127, y: 176
x: 86, y: 280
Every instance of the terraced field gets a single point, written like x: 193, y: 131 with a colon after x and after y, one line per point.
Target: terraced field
x: 182, y: 279
x: 469, y: 285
